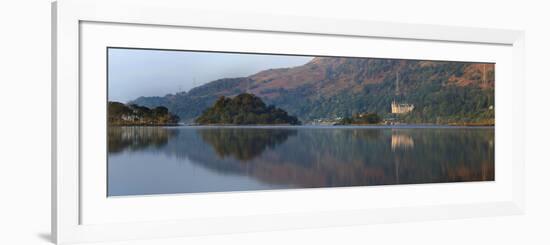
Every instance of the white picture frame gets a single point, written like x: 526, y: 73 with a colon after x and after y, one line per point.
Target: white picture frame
x: 68, y: 194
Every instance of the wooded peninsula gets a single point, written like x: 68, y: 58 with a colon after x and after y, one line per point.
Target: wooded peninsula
x: 120, y: 114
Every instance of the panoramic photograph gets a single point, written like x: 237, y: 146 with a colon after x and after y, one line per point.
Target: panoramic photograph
x: 203, y: 121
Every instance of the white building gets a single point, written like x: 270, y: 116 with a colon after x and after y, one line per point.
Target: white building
x: 401, y: 108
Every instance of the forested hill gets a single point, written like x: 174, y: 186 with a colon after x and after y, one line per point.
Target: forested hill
x: 442, y: 92
x: 244, y: 109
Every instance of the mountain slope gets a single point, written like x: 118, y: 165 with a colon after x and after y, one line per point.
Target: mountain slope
x: 326, y: 87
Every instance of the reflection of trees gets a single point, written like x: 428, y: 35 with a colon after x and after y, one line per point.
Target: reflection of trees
x: 328, y: 157
x: 244, y: 143
x: 446, y: 155
x: 352, y: 156
x: 136, y: 138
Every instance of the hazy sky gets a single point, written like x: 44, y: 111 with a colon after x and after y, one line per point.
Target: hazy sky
x: 139, y: 72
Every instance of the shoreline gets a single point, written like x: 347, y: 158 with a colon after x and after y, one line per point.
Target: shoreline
x: 144, y: 125
x: 404, y: 126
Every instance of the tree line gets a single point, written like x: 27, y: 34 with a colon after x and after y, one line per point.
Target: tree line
x: 130, y: 115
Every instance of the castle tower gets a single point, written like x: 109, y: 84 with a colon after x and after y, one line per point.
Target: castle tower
x: 396, y: 107
x: 397, y: 84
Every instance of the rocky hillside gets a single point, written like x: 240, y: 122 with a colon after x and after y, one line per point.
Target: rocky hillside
x: 326, y: 87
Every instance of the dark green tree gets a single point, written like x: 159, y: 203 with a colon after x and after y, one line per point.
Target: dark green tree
x: 244, y: 109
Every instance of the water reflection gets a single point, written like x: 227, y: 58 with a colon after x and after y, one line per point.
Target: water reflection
x: 137, y: 138
x: 401, y: 140
x: 297, y: 157
x: 244, y: 143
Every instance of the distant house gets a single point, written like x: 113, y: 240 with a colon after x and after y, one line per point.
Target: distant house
x: 129, y: 117
x: 401, y: 108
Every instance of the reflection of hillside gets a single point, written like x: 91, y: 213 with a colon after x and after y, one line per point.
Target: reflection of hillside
x: 351, y: 157
x: 329, y: 157
x: 136, y: 138
x: 244, y: 143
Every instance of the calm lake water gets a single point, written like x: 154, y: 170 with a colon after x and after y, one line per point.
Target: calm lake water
x: 163, y: 160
